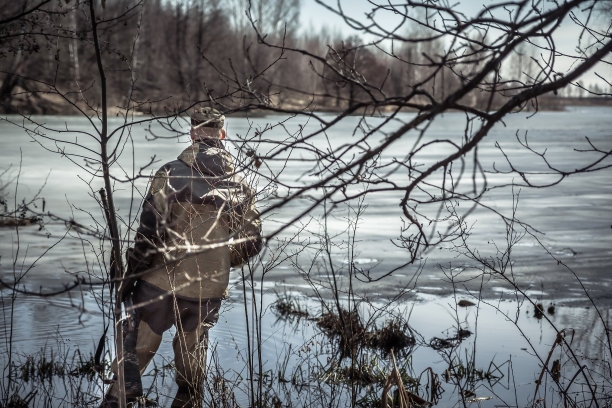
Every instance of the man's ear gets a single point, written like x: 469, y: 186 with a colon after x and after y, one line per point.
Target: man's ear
x: 222, y: 134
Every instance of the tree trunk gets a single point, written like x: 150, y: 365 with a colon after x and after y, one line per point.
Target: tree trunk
x: 178, y: 48
x: 74, y: 48
x: 116, y: 265
x: 11, y: 80
x: 196, y: 76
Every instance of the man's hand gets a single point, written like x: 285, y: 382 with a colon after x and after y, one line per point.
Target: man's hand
x: 134, y: 267
x: 127, y: 288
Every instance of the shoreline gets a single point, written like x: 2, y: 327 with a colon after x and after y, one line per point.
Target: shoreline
x: 48, y: 106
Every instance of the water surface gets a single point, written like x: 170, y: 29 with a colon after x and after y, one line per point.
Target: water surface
x: 574, y: 218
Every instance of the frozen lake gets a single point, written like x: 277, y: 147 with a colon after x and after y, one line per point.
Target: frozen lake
x: 573, y: 217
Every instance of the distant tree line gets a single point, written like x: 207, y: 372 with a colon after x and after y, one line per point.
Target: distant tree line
x: 162, y: 56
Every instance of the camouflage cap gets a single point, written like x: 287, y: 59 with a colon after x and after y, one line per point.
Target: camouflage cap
x: 206, y: 117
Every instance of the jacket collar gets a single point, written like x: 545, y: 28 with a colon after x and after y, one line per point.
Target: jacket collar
x: 209, y: 142
x: 208, y: 157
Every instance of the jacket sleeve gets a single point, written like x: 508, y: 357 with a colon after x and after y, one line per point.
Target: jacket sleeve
x: 246, y: 232
x: 149, y: 235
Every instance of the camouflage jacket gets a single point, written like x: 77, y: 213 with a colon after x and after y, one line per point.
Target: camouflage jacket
x: 198, y: 219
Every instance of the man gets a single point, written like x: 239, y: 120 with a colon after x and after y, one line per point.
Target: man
x: 198, y: 219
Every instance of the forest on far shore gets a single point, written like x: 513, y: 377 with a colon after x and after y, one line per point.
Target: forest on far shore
x: 162, y: 56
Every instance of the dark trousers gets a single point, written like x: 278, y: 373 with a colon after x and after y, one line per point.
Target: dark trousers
x: 156, y: 311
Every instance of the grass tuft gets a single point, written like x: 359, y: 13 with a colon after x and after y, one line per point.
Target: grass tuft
x: 288, y: 307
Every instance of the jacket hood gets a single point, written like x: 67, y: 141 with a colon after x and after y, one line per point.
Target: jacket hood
x: 208, y: 157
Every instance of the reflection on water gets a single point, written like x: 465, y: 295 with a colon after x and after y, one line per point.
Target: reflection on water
x: 41, y: 320
x: 495, y: 340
